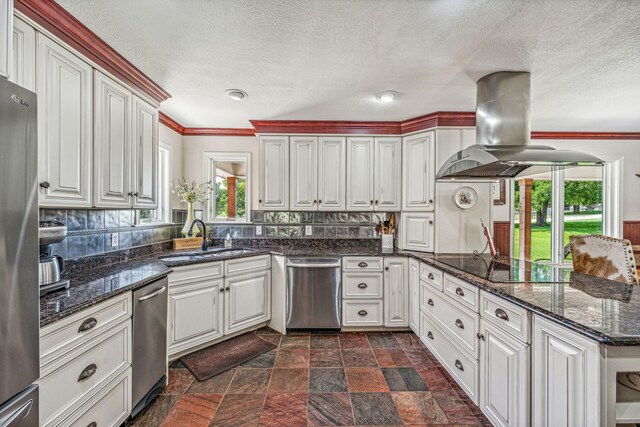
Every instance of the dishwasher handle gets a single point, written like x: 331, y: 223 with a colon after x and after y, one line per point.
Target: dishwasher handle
x: 314, y: 263
x: 153, y: 294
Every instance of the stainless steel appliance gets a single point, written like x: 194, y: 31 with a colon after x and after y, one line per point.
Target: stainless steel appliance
x: 51, y: 266
x: 314, y: 287
x: 19, y: 299
x: 149, y: 365
x: 503, y: 132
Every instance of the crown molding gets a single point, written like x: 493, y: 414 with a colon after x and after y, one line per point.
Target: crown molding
x: 170, y: 123
x: 326, y: 127
x: 55, y: 19
x: 439, y: 118
x: 585, y: 135
x: 185, y: 131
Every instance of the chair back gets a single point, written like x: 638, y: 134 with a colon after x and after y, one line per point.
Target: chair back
x: 605, y: 257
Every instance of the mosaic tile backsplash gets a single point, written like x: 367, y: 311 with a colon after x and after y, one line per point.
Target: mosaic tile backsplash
x: 90, y: 230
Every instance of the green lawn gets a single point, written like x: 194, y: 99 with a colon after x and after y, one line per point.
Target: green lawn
x: 541, y: 236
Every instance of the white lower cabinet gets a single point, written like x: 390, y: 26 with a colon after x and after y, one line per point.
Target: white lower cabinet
x: 362, y: 312
x: 414, y: 295
x: 565, y: 377
x: 247, y: 300
x: 504, y: 377
x: 396, y: 291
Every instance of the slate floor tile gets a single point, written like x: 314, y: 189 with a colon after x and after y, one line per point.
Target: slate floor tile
x: 374, y: 409
x: 288, y: 409
x: 265, y: 360
x: 156, y: 412
x: 327, y: 380
x: 383, y: 340
x: 403, y: 379
x: 353, y: 340
x: 292, y: 358
x: 193, y: 410
x: 295, y: 341
x: 329, y: 409
x: 239, y: 410
x: 324, y: 342
x: 250, y: 381
x: 365, y: 380
x: 179, y: 380
x: 294, y: 380
x: 434, y: 379
x: 418, y: 408
x: 325, y: 358
x: 218, y: 384
x: 389, y: 358
x: 359, y: 357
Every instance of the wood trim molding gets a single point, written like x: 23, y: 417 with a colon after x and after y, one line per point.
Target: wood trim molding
x: 170, y: 123
x: 440, y: 118
x: 65, y: 26
x: 631, y: 231
x: 328, y: 127
x: 585, y: 135
x: 177, y: 127
x: 502, y: 237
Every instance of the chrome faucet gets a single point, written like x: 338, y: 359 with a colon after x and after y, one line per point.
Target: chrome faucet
x: 205, y: 243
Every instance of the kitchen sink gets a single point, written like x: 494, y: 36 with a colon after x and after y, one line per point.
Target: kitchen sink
x: 211, y: 253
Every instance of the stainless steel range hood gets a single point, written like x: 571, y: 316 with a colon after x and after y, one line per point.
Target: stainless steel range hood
x: 503, y: 131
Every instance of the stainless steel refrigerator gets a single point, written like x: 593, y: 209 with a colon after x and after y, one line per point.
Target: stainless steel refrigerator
x: 19, y: 295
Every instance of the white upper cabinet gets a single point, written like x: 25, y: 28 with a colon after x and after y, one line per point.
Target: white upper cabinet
x: 396, y: 291
x: 144, y: 158
x: 6, y: 45
x: 274, y: 173
x: 332, y: 166
x: 417, y: 231
x: 304, y: 173
x: 112, y: 144
x: 387, y: 177
x: 418, y: 172
x: 360, y: 167
x: 65, y: 138
x: 23, y: 69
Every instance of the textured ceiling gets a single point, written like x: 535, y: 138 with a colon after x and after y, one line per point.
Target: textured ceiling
x: 324, y: 60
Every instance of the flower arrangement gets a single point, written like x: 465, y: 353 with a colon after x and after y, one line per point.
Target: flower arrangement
x: 193, y: 192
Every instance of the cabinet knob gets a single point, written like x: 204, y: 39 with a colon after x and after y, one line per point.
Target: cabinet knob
x: 430, y: 201
x: 376, y: 202
x: 87, y: 372
x: 459, y: 365
x: 362, y: 312
x: 260, y: 201
x: 430, y: 222
x: 221, y: 290
x: 480, y: 336
x: 315, y: 201
x: 136, y: 194
x: 90, y: 323
x: 459, y: 324
x: 92, y: 424
x: 386, y: 268
x: 430, y: 302
x: 371, y: 201
x: 319, y: 201
x: 362, y: 285
x: 501, y: 314
x: 460, y: 292
x: 44, y: 184
x: 130, y: 193
x: 429, y: 335
x: 430, y: 276
x: 227, y: 289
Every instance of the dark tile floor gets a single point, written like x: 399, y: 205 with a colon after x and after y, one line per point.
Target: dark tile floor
x: 313, y: 379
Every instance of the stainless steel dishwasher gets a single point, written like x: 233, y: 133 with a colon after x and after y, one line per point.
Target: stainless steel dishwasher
x: 149, y: 365
x: 314, y: 288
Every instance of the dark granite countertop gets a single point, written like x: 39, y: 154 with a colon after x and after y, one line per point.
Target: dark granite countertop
x: 603, y: 311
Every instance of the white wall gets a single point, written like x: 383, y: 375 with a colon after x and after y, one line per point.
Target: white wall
x: 194, y: 148
x: 173, y: 140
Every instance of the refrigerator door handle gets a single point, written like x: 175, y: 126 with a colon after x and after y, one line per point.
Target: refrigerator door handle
x: 18, y: 415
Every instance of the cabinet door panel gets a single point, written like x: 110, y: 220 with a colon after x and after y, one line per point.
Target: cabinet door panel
x: 417, y: 231
x: 331, y: 173
x: 23, y: 69
x: 247, y: 300
x: 274, y: 173
x: 504, y: 377
x: 304, y: 185
x: 65, y: 137
x: 195, y: 313
x: 418, y: 172
x: 387, y: 178
x: 144, y: 155
x: 396, y: 286
x: 112, y: 144
x: 414, y: 295
x: 360, y: 166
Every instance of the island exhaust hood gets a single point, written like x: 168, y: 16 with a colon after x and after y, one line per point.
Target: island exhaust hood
x: 503, y: 133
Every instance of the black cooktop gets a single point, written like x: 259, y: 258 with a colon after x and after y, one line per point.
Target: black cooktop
x: 503, y: 269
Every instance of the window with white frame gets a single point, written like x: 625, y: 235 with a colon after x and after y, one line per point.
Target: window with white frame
x: 163, y: 213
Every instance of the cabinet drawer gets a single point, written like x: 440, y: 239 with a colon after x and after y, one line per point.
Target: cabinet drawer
x: 462, y: 367
x: 362, y: 312
x: 362, y: 263
x: 506, y: 316
x: 63, y: 336
x: 189, y: 273
x: 109, y: 407
x: 362, y: 285
x: 432, y: 276
x: 247, y: 265
x: 462, y: 291
x: 461, y: 324
x: 67, y: 380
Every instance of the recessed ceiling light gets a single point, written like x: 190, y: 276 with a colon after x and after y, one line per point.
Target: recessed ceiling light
x: 386, y: 96
x: 236, y: 94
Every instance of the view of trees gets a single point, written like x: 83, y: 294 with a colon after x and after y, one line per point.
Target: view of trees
x: 222, y: 198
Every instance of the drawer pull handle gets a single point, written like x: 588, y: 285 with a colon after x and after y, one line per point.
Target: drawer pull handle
x: 363, y: 264
x: 92, y: 424
x: 429, y: 335
x: 90, y: 323
x: 459, y: 365
x: 480, y: 336
x: 459, y: 291
x: 362, y: 285
x: 87, y: 372
x: 222, y: 289
x: 430, y: 302
x: 430, y: 276
x: 459, y: 324
x: 501, y: 314
x: 45, y: 185
x: 362, y: 312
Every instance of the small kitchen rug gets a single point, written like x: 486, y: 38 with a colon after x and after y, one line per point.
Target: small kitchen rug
x: 211, y: 361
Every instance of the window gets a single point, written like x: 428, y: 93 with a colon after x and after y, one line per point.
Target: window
x: 229, y: 174
x: 566, y: 202
x: 163, y: 213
